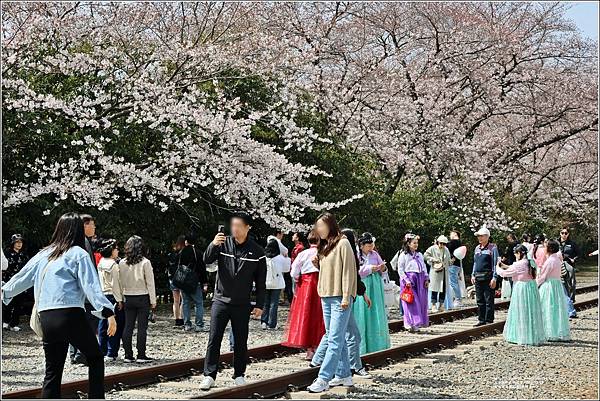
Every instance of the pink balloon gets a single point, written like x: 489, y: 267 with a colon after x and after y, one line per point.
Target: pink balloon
x: 460, y: 252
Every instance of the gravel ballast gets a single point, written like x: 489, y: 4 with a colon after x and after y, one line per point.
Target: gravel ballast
x: 504, y: 371
x: 23, y: 359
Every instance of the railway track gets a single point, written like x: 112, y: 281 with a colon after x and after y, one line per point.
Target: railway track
x: 275, y: 369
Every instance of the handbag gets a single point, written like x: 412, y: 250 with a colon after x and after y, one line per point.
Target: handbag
x: 407, y: 295
x: 438, y: 266
x: 185, y: 277
x: 34, y: 321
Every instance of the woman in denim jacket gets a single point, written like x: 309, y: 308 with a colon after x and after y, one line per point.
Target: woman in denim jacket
x: 63, y: 276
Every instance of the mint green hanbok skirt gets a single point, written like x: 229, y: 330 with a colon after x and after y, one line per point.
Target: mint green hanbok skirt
x: 554, y: 310
x: 524, y: 324
x: 372, y: 322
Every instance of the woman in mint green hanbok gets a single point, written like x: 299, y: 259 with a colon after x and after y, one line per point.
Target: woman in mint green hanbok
x: 372, y: 322
x: 524, y: 324
x: 552, y: 296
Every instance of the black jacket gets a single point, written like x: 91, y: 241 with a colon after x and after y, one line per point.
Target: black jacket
x: 509, y: 254
x: 452, y: 246
x: 16, y: 261
x: 240, y: 265
x: 569, y: 250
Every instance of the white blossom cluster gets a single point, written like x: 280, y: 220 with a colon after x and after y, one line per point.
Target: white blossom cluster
x: 492, y: 104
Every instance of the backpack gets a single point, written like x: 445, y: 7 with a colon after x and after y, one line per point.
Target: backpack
x: 273, y: 275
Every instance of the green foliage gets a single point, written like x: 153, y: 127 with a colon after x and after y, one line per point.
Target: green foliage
x: 387, y: 217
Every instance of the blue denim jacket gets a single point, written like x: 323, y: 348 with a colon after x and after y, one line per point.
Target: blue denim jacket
x: 69, y: 280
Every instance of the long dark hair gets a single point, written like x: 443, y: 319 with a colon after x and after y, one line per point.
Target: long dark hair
x: 134, y: 250
x: 327, y: 245
x: 522, y: 249
x: 67, y: 234
x: 539, y: 240
x: 272, y: 249
x: 349, y: 233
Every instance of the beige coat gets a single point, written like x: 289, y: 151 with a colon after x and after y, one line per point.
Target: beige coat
x: 137, y: 279
x: 432, y: 255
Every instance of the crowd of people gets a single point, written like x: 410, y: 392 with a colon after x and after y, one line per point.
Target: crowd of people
x: 89, y: 300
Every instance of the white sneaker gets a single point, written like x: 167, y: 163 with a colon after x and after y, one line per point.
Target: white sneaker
x: 318, y: 386
x: 16, y: 328
x: 363, y: 373
x: 339, y: 381
x: 207, y: 383
x: 434, y: 309
x: 109, y: 359
x: 263, y: 326
x: 457, y: 304
x: 5, y: 325
x: 239, y: 381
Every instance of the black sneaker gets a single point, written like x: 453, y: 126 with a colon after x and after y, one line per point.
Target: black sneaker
x: 479, y: 324
x: 128, y: 359
x: 143, y: 359
x: 79, y: 360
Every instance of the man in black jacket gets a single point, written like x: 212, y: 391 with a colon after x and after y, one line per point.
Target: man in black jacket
x: 242, y: 263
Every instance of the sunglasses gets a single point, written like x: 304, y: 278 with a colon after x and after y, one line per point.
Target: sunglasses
x: 564, y: 232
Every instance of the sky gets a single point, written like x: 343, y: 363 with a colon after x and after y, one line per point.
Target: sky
x: 585, y: 15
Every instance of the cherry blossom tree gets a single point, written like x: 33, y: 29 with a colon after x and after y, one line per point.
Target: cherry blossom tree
x: 156, y: 73
x: 491, y: 105
x: 481, y: 101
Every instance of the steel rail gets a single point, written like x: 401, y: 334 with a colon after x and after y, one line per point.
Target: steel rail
x: 179, y: 369
x: 290, y: 382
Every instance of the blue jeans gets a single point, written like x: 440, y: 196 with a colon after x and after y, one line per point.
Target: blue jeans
x: 453, y: 272
x: 109, y: 346
x: 269, y: 315
x: 336, y: 361
x: 195, y: 297
x: 353, y: 340
x: 570, y: 307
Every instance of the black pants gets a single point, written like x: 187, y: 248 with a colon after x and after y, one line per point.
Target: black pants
x: 289, y: 289
x: 60, y: 328
x: 485, y: 301
x: 137, y: 307
x: 220, y: 314
x: 438, y: 297
x: 92, y: 321
x: 12, y: 312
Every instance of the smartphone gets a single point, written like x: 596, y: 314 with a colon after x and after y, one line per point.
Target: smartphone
x: 221, y: 229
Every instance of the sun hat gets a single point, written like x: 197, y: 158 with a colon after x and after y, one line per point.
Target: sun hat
x: 442, y: 239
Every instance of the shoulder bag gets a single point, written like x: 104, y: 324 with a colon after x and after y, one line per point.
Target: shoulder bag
x: 185, y: 277
x: 34, y: 320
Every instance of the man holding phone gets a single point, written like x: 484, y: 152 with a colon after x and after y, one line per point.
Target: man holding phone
x: 241, y: 263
